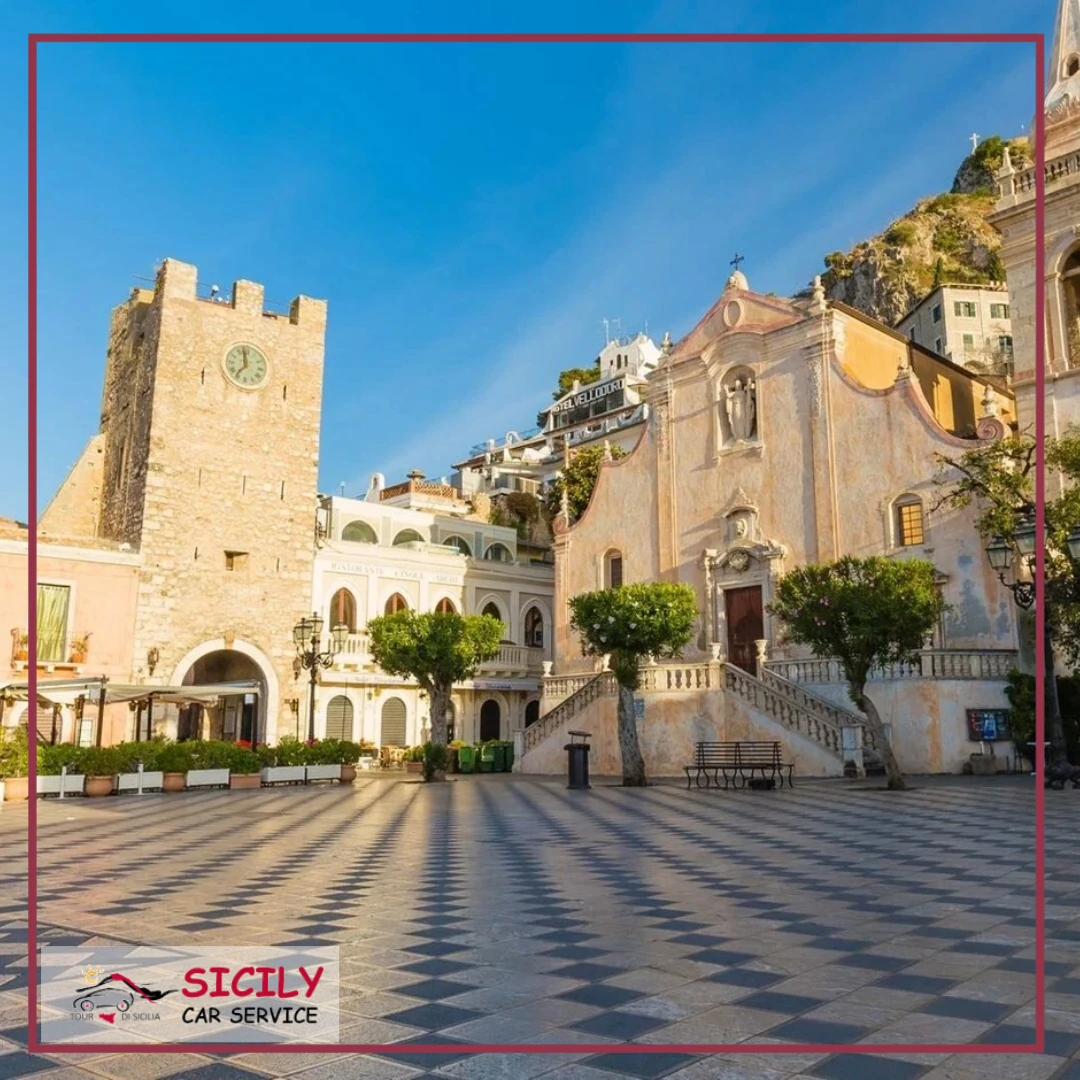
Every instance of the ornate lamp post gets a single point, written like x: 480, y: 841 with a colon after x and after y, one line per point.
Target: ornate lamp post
x: 1000, y: 553
x: 307, y: 635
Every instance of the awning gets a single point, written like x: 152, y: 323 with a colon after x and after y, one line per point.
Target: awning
x: 68, y: 691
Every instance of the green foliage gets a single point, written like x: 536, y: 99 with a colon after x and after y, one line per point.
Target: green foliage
x: 243, y: 761
x: 945, y: 201
x: 436, y: 648
x: 172, y: 758
x: 567, y: 378
x: 52, y: 759
x: 901, y: 233
x: 336, y: 752
x: 14, y: 751
x: 1021, y: 695
x: 518, y: 510
x: 578, y: 478
x: 210, y: 753
x: 647, y: 619
x: 864, y: 612
x: 951, y: 236
x: 436, y: 758
x: 100, y: 761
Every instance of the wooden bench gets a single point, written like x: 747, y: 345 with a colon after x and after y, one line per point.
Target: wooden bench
x: 739, y: 763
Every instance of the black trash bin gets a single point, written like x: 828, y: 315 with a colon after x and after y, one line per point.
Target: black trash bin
x: 577, y: 759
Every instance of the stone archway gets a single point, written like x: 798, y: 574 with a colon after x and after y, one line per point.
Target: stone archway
x: 214, y: 662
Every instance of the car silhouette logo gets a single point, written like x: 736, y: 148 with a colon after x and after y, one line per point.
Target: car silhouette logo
x: 105, y: 997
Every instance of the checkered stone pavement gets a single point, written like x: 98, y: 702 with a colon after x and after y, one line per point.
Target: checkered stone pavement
x: 504, y: 909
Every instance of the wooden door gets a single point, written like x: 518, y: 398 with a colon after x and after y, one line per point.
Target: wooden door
x: 745, y: 625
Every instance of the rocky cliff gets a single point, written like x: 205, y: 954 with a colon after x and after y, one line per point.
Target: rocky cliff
x: 944, y: 238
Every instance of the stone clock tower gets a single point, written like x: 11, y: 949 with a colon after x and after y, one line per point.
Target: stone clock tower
x: 210, y: 438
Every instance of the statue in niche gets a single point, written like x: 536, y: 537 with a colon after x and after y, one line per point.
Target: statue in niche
x: 739, y: 406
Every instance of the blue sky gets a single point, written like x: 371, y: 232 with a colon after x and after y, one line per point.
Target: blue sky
x: 471, y: 212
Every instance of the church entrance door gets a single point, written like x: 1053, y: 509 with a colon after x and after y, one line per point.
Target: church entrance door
x: 745, y: 625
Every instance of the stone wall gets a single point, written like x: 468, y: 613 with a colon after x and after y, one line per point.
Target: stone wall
x: 75, y: 510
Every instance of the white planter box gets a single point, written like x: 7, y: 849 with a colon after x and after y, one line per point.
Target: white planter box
x: 50, y: 785
x: 129, y: 781
x: 323, y: 772
x: 284, y: 774
x: 208, y: 778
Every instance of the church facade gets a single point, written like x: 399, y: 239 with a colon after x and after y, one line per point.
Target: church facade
x: 781, y: 433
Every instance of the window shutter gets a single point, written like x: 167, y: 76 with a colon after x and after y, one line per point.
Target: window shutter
x: 393, y: 723
x: 339, y: 718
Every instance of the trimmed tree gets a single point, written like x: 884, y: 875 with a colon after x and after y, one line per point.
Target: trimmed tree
x: 865, y: 613
x: 578, y: 479
x: 582, y: 376
x: 629, y: 623
x: 437, y: 649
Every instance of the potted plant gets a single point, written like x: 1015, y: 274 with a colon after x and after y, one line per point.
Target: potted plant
x: 51, y: 762
x: 245, y: 772
x: 345, y: 753
x: 99, y: 765
x: 15, y: 763
x: 79, y: 646
x: 285, y: 763
x: 173, y: 760
x: 209, y: 763
x: 132, y: 755
x: 434, y: 759
x: 22, y: 646
x: 414, y: 759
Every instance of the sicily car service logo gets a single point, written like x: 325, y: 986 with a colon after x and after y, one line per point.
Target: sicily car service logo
x: 113, y: 994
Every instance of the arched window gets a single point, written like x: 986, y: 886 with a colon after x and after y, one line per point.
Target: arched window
x: 1072, y: 66
x: 1070, y: 289
x: 910, y: 529
x: 392, y: 729
x: 613, y: 570
x: 359, y: 532
x: 492, y: 609
x: 534, y: 628
x: 343, y: 610
x: 490, y: 721
x: 407, y: 536
x: 446, y: 606
x: 532, y: 713
x: 396, y: 603
x: 498, y: 553
x: 458, y: 545
x: 339, y: 718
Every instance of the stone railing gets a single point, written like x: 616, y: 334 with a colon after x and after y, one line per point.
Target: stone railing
x: 564, y: 686
x: 812, y: 718
x: 596, y: 686
x: 1022, y: 182
x: 523, y: 658
x: 664, y: 678
x: 421, y: 487
x: 992, y: 664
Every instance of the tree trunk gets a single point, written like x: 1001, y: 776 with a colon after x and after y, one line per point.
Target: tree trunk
x: 873, y: 719
x: 439, y: 697
x: 633, y: 764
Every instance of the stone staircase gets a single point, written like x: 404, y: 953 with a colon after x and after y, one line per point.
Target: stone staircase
x: 559, y: 717
x: 806, y: 715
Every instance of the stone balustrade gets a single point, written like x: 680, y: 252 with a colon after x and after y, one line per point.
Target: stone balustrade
x: 987, y: 664
x: 512, y: 659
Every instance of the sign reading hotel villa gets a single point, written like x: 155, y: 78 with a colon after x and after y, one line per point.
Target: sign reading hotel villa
x: 175, y: 994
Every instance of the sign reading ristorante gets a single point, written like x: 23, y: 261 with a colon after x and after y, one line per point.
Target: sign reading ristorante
x: 588, y: 394
x: 395, y: 572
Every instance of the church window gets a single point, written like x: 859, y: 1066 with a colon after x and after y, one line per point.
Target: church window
x: 613, y: 570
x: 396, y: 603
x: 359, y: 532
x: 1070, y: 295
x: 909, y: 522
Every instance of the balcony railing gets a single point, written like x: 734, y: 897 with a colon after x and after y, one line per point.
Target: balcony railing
x: 67, y: 650
x: 521, y: 660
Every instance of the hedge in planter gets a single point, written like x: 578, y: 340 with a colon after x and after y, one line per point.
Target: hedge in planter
x: 100, y: 764
x: 15, y: 763
x: 245, y: 770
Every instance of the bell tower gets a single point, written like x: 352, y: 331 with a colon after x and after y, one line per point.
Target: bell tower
x: 210, y: 433
x: 1059, y: 263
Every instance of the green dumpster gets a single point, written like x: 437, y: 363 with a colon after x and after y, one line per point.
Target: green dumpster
x: 487, y: 757
x: 509, y: 757
x: 499, y: 764
x: 466, y: 758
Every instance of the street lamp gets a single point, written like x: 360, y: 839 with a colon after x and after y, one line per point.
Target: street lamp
x: 307, y: 637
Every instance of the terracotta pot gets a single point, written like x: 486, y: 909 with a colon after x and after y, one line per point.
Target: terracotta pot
x: 78, y: 658
x: 244, y: 781
x: 16, y: 788
x: 173, y: 781
x: 414, y: 766
x: 348, y: 774
x: 96, y: 786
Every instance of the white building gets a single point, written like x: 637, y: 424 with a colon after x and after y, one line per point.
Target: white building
x: 612, y: 408
x: 418, y: 545
x: 967, y: 324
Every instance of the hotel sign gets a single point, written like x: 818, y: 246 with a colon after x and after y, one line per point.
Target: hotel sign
x: 589, y: 394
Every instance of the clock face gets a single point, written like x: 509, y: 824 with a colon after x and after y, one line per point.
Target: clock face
x: 246, y: 366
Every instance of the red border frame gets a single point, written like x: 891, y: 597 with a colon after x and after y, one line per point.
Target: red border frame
x: 1038, y: 40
